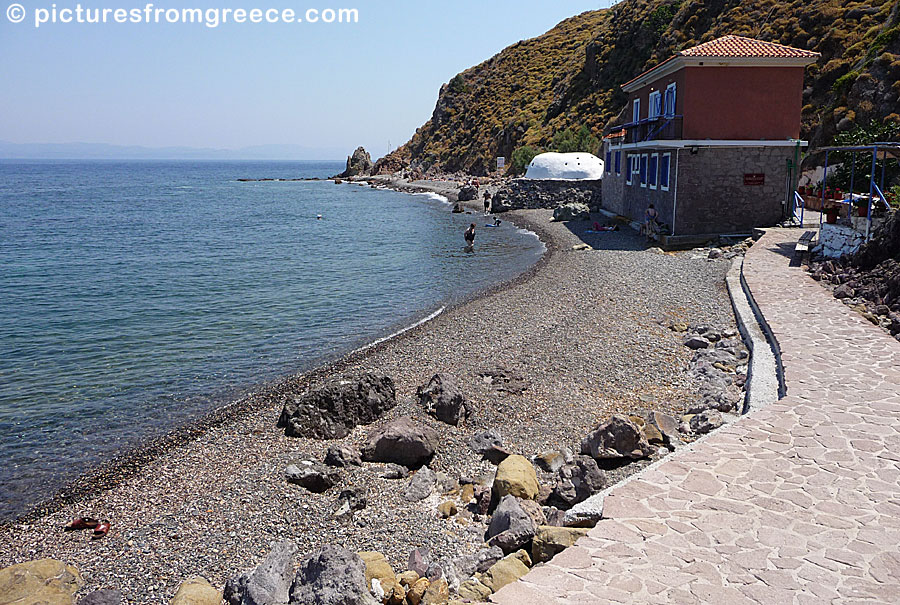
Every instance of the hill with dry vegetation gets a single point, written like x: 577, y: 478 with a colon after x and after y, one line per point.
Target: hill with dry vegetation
x: 559, y: 90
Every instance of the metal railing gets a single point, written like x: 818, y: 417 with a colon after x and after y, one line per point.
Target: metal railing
x: 799, y: 202
x: 665, y: 128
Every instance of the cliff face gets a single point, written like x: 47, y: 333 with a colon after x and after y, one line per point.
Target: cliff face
x: 571, y: 75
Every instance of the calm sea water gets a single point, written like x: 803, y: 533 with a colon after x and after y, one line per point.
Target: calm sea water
x: 138, y: 295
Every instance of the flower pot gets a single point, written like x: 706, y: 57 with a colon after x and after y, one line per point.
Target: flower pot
x: 862, y: 211
x: 831, y: 215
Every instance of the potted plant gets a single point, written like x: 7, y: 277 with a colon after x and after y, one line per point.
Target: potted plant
x: 831, y: 214
x: 862, y: 206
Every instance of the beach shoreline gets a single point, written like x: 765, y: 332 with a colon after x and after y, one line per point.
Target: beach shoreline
x: 108, y: 474
x: 586, y: 331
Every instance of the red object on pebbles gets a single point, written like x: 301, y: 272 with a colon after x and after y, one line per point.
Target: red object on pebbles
x: 81, y: 523
x: 101, y: 530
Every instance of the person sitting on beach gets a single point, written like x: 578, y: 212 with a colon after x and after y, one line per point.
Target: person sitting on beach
x: 487, y: 202
x: 497, y: 221
x: 469, y: 235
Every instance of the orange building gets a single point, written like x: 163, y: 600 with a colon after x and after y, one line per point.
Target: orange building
x: 711, y: 138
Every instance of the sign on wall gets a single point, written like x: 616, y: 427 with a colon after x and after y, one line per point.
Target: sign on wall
x: 754, y: 179
x: 501, y: 162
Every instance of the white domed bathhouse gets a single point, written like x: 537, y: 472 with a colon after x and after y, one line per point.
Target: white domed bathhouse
x: 565, y: 167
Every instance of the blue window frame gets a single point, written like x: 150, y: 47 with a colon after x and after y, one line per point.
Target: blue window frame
x: 664, y: 163
x: 651, y: 177
x: 608, y: 161
x: 644, y: 170
x: 618, y: 162
x: 628, y: 169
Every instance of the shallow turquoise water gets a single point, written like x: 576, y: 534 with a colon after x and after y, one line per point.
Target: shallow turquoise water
x: 138, y: 295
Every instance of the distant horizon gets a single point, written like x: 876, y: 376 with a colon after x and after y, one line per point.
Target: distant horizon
x: 123, y: 88
x: 78, y: 150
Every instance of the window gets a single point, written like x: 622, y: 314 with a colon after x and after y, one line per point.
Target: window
x: 629, y: 169
x: 654, y: 109
x: 636, y: 111
x: 670, y: 100
x: 644, y: 170
x: 651, y: 177
x: 664, y: 163
x: 608, y: 163
x: 618, y: 162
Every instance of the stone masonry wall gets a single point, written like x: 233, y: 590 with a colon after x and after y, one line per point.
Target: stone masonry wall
x: 550, y: 194
x: 713, y: 196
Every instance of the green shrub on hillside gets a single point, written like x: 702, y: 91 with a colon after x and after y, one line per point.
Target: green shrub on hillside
x: 521, y: 158
x: 566, y: 141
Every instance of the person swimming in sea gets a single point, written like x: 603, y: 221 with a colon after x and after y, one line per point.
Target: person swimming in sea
x: 469, y: 236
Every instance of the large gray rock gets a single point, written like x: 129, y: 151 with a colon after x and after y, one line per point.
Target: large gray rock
x: 707, y: 421
x: 402, y: 441
x: 617, y: 438
x: 485, y: 440
x: 269, y: 583
x: 577, y: 482
x: 342, y: 455
x: 511, y: 526
x: 313, y: 476
x: 467, y: 193
x: 358, y: 163
x: 421, y: 485
x: 331, y: 411
x: 572, y: 212
x: 331, y: 576
x: 442, y: 399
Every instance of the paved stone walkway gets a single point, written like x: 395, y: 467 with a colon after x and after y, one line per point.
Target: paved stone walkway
x: 798, y: 502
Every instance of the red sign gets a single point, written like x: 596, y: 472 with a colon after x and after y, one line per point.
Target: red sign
x: 754, y: 179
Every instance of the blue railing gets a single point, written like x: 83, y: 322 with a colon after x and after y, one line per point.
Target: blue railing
x: 799, y: 202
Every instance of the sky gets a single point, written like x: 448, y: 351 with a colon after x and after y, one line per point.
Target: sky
x: 325, y: 86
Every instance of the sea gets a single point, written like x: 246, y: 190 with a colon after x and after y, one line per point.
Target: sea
x: 137, y: 296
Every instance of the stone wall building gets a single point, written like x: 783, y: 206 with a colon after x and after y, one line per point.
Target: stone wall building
x: 711, y: 139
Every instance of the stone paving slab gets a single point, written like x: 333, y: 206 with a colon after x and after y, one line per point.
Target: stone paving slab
x: 798, y: 502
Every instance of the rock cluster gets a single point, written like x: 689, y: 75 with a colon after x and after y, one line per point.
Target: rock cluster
x: 531, y: 193
x: 467, y: 193
x: 573, y: 211
x: 332, y: 410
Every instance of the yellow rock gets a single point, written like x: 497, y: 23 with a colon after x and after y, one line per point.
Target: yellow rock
x: 468, y: 492
x: 637, y: 420
x: 408, y: 578
x: 197, y: 591
x: 40, y: 582
x: 438, y: 593
x: 474, y: 590
x: 505, y: 571
x: 516, y: 476
x: 447, y: 509
x: 377, y: 567
x: 415, y: 594
x: 549, y: 541
x: 652, y: 434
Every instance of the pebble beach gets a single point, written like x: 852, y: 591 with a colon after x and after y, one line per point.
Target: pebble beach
x: 585, y: 333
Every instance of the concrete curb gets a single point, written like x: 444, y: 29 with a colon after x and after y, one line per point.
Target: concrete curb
x: 765, y: 377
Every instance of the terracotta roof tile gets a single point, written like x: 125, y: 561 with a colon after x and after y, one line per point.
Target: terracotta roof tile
x: 739, y: 46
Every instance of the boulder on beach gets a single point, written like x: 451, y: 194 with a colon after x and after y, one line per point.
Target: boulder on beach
x: 331, y: 411
x: 331, y: 576
x: 577, y: 481
x: 41, y: 581
x: 442, y: 398
x: 516, y: 476
x: 550, y: 541
x: 572, y: 212
x: 197, y: 591
x: 104, y: 596
x: 467, y: 193
x: 421, y: 485
x: 341, y: 456
x: 269, y: 583
x: 313, y: 476
x: 402, y: 441
x: 619, y: 437
x: 511, y: 526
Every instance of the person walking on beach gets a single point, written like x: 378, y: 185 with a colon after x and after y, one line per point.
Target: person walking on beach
x: 469, y: 235
x: 650, y: 225
x: 487, y: 202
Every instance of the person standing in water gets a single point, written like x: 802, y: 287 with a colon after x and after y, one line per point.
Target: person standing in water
x: 470, y: 235
x: 487, y: 201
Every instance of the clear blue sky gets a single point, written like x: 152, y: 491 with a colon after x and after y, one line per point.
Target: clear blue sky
x: 317, y: 85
